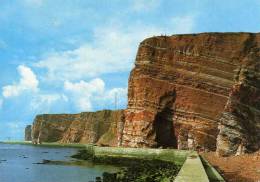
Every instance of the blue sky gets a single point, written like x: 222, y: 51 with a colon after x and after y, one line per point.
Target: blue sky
x: 63, y: 56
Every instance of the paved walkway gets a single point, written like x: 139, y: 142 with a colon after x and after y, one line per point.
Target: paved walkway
x: 192, y: 170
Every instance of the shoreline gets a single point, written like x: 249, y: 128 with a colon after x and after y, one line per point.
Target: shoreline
x: 169, y: 161
x: 48, y: 144
x: 190, y: 162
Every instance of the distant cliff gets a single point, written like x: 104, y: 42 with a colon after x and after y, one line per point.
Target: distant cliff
x: 101, y: 127
x: 28, y: 133
x: 196, y: 91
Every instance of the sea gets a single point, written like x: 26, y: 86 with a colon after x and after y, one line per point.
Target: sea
x: 23, y: 163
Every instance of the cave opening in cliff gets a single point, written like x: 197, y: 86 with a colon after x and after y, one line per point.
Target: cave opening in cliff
x: 163, y: 124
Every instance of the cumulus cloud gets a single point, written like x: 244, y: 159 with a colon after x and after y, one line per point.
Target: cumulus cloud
x: 83, y: 92
x: 81, y: 95
x: 116, y: 97
x: 87, y: 95
x: 45, y: 101
x: 28, y: 82
x: 113, y: 50
x: 94, y: 86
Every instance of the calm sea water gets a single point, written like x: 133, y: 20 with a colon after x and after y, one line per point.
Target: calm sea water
x: 17, y: 164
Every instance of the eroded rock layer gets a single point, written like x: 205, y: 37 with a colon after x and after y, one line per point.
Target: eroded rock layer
x: 28, y: 133
x: 184, y: 87
x: 101, y: 127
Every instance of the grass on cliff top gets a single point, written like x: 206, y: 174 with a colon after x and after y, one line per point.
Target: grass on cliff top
x: 47, y: 144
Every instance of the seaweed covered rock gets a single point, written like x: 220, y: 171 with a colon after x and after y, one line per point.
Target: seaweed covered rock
x: 144, y: 171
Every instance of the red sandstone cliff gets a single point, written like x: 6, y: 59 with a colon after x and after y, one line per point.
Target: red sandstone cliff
x: 101, y: 127
x: 197, y: 91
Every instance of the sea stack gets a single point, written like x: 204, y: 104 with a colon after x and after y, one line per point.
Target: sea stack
x: 28, y: 133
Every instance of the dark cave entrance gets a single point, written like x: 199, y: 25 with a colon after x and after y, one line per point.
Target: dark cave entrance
x: 163, y: 124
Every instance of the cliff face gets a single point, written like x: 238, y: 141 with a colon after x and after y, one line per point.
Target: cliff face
x: 28, y: 133
x: 101, y: 127
x: 197, y: 91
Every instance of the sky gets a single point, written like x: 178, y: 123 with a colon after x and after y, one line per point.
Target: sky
x: 64, y: 56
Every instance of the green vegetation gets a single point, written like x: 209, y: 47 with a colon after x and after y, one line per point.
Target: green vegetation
x: 140, y: 165
x: 133, y: 168
x: 144, y: 171
x: 212, y: 173
x: 84, y: 155
x: 168, y: 155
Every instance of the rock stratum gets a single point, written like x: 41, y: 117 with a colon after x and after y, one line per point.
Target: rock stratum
x: 101, y: 127
x: 196, y: 91
x: 28, y: 133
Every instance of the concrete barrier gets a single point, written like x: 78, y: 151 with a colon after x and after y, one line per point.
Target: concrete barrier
x: 212, y: 173
x: 170, y: 155
x: 192, y: 170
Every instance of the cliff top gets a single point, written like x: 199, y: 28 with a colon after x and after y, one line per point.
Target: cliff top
x: 75, y: 114
x: 202, y: 34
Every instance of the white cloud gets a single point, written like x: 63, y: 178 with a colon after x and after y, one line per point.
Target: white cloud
x: 28, y: 82
x: 94, y: 86
x: 83, y: 92
x: 45, y: 101
x: 87, y: 95
x: 145, y: 5
x: 116, y: 97
x: 113, y: 50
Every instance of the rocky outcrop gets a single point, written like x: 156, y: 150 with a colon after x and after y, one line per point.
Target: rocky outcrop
x: 28, y: 133
x: 101, y: 127
x: 240, y: 122
x: 196, y: 91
